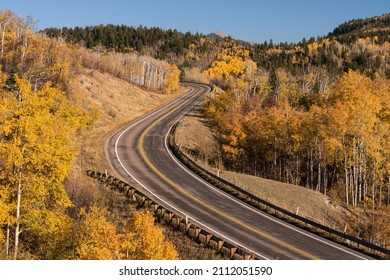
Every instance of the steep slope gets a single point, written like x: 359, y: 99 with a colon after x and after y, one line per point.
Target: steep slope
x: 118, y: 102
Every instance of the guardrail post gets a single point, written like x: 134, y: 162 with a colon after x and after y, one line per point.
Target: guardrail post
x: 232, y: 252
x: 154, y: 206
x: 197, y: 232
x: 220, y: 244
x: 208, y: 238
x: 168, y: 216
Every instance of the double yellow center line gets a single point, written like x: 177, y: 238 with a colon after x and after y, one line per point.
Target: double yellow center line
x: 207, y: 206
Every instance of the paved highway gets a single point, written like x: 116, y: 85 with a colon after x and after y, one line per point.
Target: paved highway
x: 138, y: 153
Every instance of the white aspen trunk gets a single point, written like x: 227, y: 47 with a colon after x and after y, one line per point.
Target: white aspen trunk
x: 307, y: 169
x: 311, y: 169
x: 362, y: 181
x: 280, y: 166
x: 147, y: 76
x: 155, y: 77
x: 24, y: 48
x: 373, y: 184
x: 17, y: 227
x: 287, y: 169
x: 143, y: 73
x: 346, y: 179
x: 355, y: 177
x: 297, y: 170
x: 352, y: 188
x: 138, y: 74
x: 159, y: 79
x: 319, y: 169
x: 275, y: 160
x: 325, y: 180
x: 151, y: 76
x: 7, y: 242
x: 2, y: 39
x: 18, y: 34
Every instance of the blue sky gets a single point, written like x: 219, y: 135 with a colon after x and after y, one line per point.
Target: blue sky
x: 250, y: 20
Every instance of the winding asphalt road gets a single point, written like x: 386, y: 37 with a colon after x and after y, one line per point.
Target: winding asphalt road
x: 138, y: 153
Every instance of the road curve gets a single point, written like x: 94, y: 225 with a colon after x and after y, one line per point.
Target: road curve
x: 138, y: 153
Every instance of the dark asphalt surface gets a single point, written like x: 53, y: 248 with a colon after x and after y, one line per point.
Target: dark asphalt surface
x: 138, y: 154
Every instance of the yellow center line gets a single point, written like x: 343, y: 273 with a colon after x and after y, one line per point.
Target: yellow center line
x: 220, y: 213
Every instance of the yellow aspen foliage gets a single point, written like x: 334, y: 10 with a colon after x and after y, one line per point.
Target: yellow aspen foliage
x: 3, y: 78
x: 173, y: 79
x: 36, y: 151
x: 51, y: 231
x: 145, y: 241
x: 5, y: 210
x: 97, y: 237
x: 231, y: 63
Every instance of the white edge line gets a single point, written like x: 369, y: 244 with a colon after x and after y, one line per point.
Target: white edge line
x: 159, y: 198
x: 243, y: 204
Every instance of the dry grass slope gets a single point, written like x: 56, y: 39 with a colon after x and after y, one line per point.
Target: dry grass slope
x: 119, y: 102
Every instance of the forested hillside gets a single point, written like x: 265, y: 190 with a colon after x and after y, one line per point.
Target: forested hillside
x: 360, y: 28
x: 315, y: 115
x: 184, y: 50
x: 41, y: 113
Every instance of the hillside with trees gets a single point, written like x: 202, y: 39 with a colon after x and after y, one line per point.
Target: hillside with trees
x: 352, y: 30
x: 184, y: 50
x: 314, y: 114
x: 42, y: 113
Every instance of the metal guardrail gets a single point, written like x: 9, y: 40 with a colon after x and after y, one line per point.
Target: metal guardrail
x: 335, y: 235
x: 173, y: 219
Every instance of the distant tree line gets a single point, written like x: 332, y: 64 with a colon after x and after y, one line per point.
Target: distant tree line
x: 122, y: 38
x: 350, y: 31
x: 337, y: 52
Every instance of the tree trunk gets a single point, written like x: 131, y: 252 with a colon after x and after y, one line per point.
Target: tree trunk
x: 311, y: 169
x: 2, y: 40
x: 7, y: 242
x: 346, y: 179
x: 319, y: 170
x: 325, y: 180
x: 17, y: 227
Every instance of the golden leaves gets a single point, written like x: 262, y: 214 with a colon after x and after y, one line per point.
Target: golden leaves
x: 293, y: 130
x: 173, y: 79
x: 231, y: 63
x: 141, y: 239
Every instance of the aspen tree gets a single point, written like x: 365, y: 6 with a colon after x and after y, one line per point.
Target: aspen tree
x: 36, y: 151
x: 143, y: 240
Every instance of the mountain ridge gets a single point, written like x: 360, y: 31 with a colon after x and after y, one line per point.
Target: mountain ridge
x: 223, y: 37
